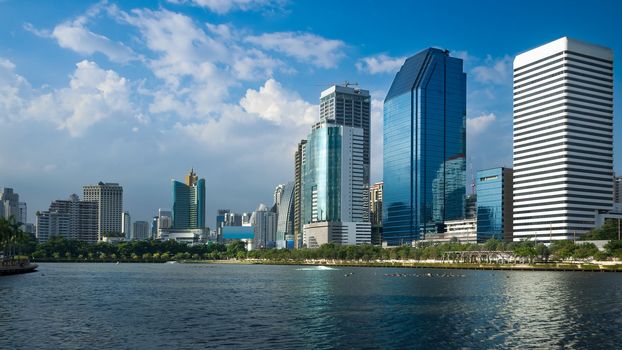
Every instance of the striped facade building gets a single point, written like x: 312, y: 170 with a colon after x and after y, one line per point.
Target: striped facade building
x: 563, y: 139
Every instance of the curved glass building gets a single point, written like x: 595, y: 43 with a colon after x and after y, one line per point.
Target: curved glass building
x: 424, y: 147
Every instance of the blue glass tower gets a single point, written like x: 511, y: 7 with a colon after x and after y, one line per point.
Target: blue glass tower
x: 494, y: 204
x: 424, y: 147
x: 189, y: 203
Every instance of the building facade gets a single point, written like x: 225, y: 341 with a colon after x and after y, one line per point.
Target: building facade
x: 9, y: 204
x: 109, y: 199
x: 617, y: 189
x: 375, y: 212
x: 126, y: 224
x: 333, y: 183
x: 71, y: 219
x: 189, y: 203
x: 494, y: 204
x: 563, y: 139
x: 424, y: 162
x: 284, y: 202
x: 265, y: 224
x: 299, y: 158
x: 140, y: 230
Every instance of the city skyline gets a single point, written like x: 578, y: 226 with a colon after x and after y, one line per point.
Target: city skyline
x: 79, y: 51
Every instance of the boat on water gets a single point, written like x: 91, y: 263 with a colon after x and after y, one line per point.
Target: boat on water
x: 16, y: 266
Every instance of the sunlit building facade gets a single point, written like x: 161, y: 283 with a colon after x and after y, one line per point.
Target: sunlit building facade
x: 189, y: 202
x: 494, y: 204
x: 424, y: 166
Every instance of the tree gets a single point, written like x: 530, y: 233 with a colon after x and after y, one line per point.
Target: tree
x: 563, y: 249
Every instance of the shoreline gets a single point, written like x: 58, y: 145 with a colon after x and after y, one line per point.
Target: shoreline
x: 558, y: 266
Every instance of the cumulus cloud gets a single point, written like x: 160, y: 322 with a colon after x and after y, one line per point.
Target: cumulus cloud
x: 495, y: 71
x: 14, y: 91
x: 75, y: 35
x: 476, y: 126
x: 225, y: 6
x: 380, y: 64
x: 277, y: 105
x: 305, y: 47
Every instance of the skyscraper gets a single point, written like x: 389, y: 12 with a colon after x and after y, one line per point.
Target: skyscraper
x: 333, y: 185
x: 109, y: 199
x: 70, y: 218
x: 343, y: 105
x: 189, y: 203
x: 563, y: 139
x: 140, y: 230
x: 424, y: 147
x: 494, y: 204
x: 298, y: 163
x: 126, y: 224
x: 617, y: 189
x: 285, y: 214
x: 265, y: 223
x: 9, y: 204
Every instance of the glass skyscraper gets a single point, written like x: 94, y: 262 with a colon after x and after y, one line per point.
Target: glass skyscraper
x: 424, y: 147
x: 189, y: 203
x: 494, y: 204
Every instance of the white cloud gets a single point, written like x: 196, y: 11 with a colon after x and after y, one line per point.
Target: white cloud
x: 496, y: 71
x: 14, y: 91
x: 277, y: 105
x: 476, y: 126
x: 305, y: 47
x: 380, y: 64
x: 225, y: 6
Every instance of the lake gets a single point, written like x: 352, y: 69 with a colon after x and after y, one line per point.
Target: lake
x: 195, y: 306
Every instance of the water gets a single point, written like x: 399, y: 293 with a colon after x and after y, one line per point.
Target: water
x: 179, y: 306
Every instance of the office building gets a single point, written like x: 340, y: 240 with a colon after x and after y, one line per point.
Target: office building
x: 140, y: 231
x: 494, y: 204
x: 470, y: 206
x: 265, y: 224
x: 22, y: 210
x: 333, y: 185
x: 70, y: 218
x: 343, y: 105
x: 189, y: 203
x: 126, y: 225
x: 617, y: 189
x: 563, y: 139
x: 284, y: 201
x: 460, y: 231
x: 298, y: 169
x: 424, y: 162
x: 109, y: 199
x: 9, y: 204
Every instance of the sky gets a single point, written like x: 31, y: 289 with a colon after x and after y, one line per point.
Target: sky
x: 140, y: 92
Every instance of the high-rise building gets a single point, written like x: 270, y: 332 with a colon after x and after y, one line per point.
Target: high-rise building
x: 71, y: 219
x: 563, y: 139
x: 470, y: 206
x: 285, y: 215
x: 265, y: 223
x: 23, y: 212
x: 298, y: 164
x: 140, y: 230
x: 617, y: 189
x: 189, y: 203
x: 375, y: 212
x: 126, y: 225
x: 9, y: 204
x: 494, y: 204
x: 109, y: 198
x: 424, y: 166
x: 165, y: 219
x: 343, y: 105
x: 333, y: 185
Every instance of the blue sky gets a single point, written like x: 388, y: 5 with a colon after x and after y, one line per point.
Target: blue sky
x: 138, y: 92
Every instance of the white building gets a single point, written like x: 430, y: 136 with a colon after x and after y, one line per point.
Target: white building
x: 69, y: 218
x: 462, y: 231
x: 563, y: 139
x: 109, y: 198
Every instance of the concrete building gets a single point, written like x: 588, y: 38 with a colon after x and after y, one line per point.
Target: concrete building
x: 189, y: 202
x: 563, y: 139
x: 109, y: 199
x: 424, y: 162
x: 265, y: 224
x: 337, y: 232
x: 9, y: 204
x: 494, y: 204
x: 71, y: 219
x: 617, y: 189
x: 140, y: 231
x: 462, y: 231
x: 375, y: 212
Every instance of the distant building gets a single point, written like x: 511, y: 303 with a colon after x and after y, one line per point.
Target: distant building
x: 470, y: 206
x: 140, y: 230
x: 9, y: 204
x: 189, y: 203
x: 337, y: 232
x: 165, y: 220
x: 424, y: 147
x: 617, y: 189
x: 71, y: 219
x: 23, y: 213
x: 494, y: 204
x: 126, y: 224
x: 246, y: 219
x: 298, y: 170
x: 153, y: 232
x: 284, y: 202
x: 109, y: 199
x: 462, y: 231
x: 265, y: 223
x: 563, y: 139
